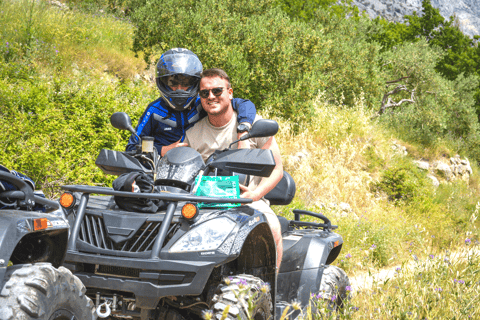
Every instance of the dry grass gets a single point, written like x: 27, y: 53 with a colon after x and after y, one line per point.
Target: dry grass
x: 328, y: 157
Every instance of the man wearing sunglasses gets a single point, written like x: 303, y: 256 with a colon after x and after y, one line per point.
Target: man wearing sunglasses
x: 219, y: 129
x: 177, y: 76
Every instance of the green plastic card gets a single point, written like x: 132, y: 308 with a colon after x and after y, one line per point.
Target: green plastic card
x: 222, y: 187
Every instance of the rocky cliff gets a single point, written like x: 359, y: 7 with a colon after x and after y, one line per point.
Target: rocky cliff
x: 467, y: 11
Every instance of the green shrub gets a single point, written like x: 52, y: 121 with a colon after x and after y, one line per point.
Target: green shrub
x: 53, y: 130
x: 279, y: 63
x: 402, y: 182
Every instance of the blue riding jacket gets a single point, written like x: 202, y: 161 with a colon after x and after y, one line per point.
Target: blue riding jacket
x: 171, y: 125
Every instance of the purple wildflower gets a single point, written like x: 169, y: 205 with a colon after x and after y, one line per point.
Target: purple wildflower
x: 374, y: 246
x: 467, y: 241
x: 431, y: 256
x: 334, y: 297
x: 348, y: 288
x: 348, y: 255
x: 398, y: 269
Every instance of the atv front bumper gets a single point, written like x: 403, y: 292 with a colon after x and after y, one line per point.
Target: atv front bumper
x: 151, y: 280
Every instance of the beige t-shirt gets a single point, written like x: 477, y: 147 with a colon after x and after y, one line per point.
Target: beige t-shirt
x: 205, y: 138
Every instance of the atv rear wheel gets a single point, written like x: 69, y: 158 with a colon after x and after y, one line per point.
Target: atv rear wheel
x: 40, y: 291
x: 248, y: 297
x: 333, y: 287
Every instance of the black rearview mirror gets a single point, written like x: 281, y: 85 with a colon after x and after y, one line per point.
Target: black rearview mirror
x: 122, y: 121
x: 262, y: 128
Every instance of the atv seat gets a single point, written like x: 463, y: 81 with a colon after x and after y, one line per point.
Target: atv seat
x: 283, y: 224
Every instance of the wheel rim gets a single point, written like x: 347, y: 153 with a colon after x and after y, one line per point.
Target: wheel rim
x: 62, y: 314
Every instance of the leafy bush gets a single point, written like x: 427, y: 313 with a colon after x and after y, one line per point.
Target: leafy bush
x: 53, y: 130
x: 402, y: 182
x: 461, y: 54
x: 279, y: 63
x: 443, y: 112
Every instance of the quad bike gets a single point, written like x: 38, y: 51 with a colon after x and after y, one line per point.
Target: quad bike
x: 33, y: 242
x: 190, y: 259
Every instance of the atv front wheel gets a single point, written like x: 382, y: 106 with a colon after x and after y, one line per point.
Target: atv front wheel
x: 333, y: 287
x: 248, y: 297
x: 40, y: 291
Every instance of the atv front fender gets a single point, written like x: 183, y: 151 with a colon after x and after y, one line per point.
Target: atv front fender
x: 17, y: 233
x: 303, y: 264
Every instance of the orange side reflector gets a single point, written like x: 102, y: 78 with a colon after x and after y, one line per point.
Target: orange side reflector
x: 67, y: 200
x: 189, y: 211
x: 40, y: 224
x: 335, y: 244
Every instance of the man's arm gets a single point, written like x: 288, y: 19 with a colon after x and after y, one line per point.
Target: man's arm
x: 267, y: 183
x: 246, y: 113
x: 245, y: 109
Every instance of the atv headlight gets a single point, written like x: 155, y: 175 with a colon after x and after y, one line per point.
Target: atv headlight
x: 207, y: 236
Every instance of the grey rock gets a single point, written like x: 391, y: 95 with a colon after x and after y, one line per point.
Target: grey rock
x: 433, y: 179
x: 424, y: 165
x: 467, y: 12
x: 443, y: 170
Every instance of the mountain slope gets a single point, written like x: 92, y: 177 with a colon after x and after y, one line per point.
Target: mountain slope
x: 466, y: 11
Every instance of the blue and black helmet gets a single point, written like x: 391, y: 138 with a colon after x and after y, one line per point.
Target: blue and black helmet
x: 178, y: 77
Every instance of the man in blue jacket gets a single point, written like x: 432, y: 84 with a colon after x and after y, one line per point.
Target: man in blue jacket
x: 178, y: 74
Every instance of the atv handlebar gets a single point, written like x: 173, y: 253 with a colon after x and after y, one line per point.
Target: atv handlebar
x: 15, y: 194
x: 25, y: 192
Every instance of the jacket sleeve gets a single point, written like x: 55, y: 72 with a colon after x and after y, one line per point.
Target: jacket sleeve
x: 245, y: 109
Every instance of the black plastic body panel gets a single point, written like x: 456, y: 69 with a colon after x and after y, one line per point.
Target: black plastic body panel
x: 305, y: 256
x: 255, y: 162
x: 117, y: 163
x: 147, y: 291
x: 16, y: 225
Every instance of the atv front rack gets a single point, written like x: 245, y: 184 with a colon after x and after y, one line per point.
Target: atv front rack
x: 166, y: 196
x: 327, y: 225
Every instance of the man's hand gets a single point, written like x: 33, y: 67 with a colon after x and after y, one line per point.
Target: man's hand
x: 173, y: 145
x: 247, y: 193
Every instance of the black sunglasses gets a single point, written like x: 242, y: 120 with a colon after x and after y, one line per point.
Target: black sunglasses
x: 216, y: 92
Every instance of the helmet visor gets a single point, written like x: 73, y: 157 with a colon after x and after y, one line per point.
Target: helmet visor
x: 179, y: 80
x: 187, y: 64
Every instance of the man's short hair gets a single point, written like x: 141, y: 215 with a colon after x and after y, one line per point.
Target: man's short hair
x: 215, y: 72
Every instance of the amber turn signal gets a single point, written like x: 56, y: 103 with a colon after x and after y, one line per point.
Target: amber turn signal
x: 67, y: 200
x: 40, y: 224
x: 189, y: 211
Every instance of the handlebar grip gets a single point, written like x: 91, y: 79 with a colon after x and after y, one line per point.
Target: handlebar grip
x: 20, y: 195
